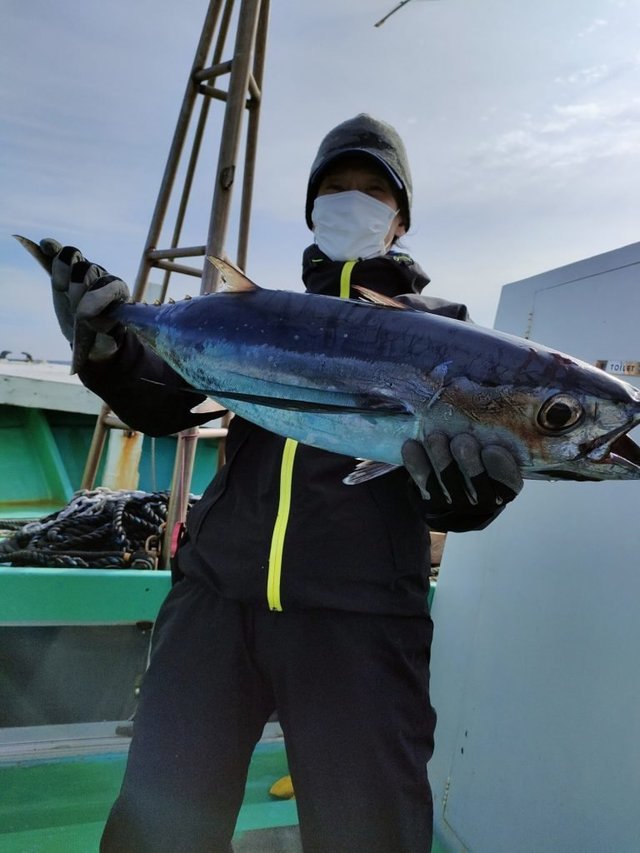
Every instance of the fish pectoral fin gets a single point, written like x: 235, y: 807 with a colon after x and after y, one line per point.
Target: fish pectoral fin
x: 373, y: 407
x: 235, y: 281
x: 378, y: 298
x: 368, y: 470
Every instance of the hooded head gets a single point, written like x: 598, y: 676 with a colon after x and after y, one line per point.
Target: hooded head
x: 370, y: 138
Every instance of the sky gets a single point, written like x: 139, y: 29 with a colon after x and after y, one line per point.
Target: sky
x: 521, y: 120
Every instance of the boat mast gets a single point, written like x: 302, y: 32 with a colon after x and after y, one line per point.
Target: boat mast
x: 243, y: 75
x: 236, y: 83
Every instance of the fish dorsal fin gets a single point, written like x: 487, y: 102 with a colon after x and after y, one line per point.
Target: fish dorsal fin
x: 235, y: 281
x: 378, y: 298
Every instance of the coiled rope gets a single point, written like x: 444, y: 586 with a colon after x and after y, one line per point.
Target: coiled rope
x: 97, y: 529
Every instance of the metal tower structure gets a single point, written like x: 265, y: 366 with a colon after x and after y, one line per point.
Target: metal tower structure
x: 243, y: 75
x: 236, y: 83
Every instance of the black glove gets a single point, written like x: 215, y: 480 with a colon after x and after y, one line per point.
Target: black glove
x: 461, y: 476
x: 81, y: 292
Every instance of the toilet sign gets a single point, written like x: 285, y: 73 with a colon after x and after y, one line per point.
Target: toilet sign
x: 619, y: 367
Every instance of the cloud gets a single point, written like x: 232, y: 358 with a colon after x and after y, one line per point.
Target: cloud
x: 586, y: 76
x: 567, y: 137
x: 593, y: 27
x: 603, y: 72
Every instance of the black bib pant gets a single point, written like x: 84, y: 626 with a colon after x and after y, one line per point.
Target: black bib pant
x: 351, y: 692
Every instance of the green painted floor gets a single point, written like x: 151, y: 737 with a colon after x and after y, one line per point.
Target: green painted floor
x: 61, y: 806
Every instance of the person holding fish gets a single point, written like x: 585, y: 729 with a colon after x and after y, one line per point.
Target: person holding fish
x: 294, y: 593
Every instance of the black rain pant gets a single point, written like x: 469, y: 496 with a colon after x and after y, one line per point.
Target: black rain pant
x: 351, y: 692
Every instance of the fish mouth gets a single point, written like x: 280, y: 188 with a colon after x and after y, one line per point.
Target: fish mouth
x: 624, y: 452
x: 614, y: 456
x: 615, y: 447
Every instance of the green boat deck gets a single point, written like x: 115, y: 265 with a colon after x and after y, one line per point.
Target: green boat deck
x: 58, y: 782
x: 60, y: 805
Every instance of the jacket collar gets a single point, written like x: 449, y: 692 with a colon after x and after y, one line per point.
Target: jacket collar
x: 392, y: 274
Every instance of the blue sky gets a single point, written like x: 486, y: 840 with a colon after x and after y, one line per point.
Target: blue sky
x: 522, y: 123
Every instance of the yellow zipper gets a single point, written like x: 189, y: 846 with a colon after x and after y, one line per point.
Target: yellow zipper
x: 345, y: 279
x: 280, y: 527
x: 286, y: 477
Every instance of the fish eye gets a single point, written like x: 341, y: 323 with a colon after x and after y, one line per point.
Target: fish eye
x: 559, y: 413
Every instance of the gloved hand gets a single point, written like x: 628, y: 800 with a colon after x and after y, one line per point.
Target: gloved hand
x: 461, y: 475
x: 81, y: 292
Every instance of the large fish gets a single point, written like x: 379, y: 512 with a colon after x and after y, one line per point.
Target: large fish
x: 360, y: 377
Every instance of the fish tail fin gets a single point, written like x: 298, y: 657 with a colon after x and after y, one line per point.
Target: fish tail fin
x: 35, y: 251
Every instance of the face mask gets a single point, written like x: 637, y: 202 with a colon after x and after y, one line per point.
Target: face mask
x: 351, y: 225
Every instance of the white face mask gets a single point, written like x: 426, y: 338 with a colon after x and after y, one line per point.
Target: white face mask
x: 351, y: 225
